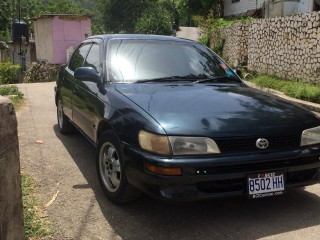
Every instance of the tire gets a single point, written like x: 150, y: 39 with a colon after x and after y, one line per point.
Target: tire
x: 64, y: 124
x: 111, y: 174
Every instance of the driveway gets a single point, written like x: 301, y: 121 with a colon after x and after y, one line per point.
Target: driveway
x: 65, y: 165
x: 189, y: 33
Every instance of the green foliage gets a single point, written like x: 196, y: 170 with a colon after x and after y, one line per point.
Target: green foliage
x: 10, y: 90
x: 121, y: 15
x: 189, y: 8
x: 107, y: 15
x: 218, y: 48
x: 35, y: 8
x: 205, y: 40
x: 155, y: 20
x: 13, y: 93
x: 211, y: 28
x: 300, y: 90
x: 35, y: 226
x: 210, y: 24
x: 9, y: 73
x: 6, y: 10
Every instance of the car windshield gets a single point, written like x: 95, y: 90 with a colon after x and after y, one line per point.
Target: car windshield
x: 144, y: 60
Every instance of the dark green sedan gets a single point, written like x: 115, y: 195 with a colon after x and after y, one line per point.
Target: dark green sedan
x: 171, y: 119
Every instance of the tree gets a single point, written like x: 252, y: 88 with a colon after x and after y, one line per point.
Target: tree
x: 34, y: 8
x: 6, y: 10
x: 155, y: 20
x: 189, y: 8
x: 121, y: 15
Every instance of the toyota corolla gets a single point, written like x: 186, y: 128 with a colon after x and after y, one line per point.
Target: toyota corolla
x: 171, y: 119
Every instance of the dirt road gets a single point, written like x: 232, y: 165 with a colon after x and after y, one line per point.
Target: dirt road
x: 66, y: 164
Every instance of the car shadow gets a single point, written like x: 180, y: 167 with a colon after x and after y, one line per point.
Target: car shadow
x: 232, y: 218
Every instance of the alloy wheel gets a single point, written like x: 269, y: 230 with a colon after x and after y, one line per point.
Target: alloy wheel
x: 109, y: 166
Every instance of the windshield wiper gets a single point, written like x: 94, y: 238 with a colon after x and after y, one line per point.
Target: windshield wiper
x: 169, y: 79
x: 222, y: 79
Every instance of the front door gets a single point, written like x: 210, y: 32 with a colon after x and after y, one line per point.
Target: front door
x: 85, y: 99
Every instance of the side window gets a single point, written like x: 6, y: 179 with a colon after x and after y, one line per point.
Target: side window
x: 93, y: 58
x: 78, y: 57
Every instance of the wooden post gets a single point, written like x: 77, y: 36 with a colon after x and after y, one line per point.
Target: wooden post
x: 11, y: 210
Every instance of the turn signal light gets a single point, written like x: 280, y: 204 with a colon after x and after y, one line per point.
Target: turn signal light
x: 164, y: 171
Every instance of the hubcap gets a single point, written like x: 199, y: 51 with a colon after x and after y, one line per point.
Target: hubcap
x: 109, y: 166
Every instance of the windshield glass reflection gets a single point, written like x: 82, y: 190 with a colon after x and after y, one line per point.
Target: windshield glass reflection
x: 132, y: 60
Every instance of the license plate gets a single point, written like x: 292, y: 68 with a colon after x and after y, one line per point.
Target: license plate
x: 265, y: 184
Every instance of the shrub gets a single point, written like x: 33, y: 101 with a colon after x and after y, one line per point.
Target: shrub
x: 13, y: 93
x: 154, y: 20
x: 205, y: 40
x: 9, y: 73
x: 211, y: 30
x: 10, y: 90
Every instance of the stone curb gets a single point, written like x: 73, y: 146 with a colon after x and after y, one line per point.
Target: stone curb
x: 309, y: 105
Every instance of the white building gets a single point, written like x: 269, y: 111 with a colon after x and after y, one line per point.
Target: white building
x: 269, y: 8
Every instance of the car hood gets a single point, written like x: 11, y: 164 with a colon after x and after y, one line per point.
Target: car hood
x: 217, y: 110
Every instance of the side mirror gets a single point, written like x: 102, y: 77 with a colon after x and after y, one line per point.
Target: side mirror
x: 87, y: 74
x: 239, y: 73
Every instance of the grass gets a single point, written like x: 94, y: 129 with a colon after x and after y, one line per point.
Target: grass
x: 299, y: 90
x: 35, y: 223
x: 13, y: 93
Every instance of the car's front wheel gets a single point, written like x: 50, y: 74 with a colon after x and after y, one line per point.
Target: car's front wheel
x: 111, y: 173
x: 65, y: 126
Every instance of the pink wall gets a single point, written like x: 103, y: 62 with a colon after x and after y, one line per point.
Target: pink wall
x: 68, y: 31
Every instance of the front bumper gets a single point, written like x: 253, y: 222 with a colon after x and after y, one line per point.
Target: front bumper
x: 221, y: 176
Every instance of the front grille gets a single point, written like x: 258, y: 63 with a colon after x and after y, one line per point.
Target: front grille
x: 222, y: 186
x: 257, y: 166
x: 239, y: 145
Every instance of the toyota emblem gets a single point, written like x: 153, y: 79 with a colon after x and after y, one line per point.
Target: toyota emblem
x: 262, y: 143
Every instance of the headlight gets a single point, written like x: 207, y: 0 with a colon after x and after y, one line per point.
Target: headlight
x: 193, y: 145
x: 310, y: 136
x: 154, y: 143
x: 177, y: 145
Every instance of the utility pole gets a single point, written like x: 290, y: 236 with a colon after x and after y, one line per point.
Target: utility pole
x: 20, y: 39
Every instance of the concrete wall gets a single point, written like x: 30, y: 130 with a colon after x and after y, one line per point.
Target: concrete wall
x: 29, y: 54
x: 286, y: 47
x: 43, y: 39
x: 68, y: 33
x: 11, y: 216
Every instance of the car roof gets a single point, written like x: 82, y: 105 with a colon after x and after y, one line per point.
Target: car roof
x: 108, y: 37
